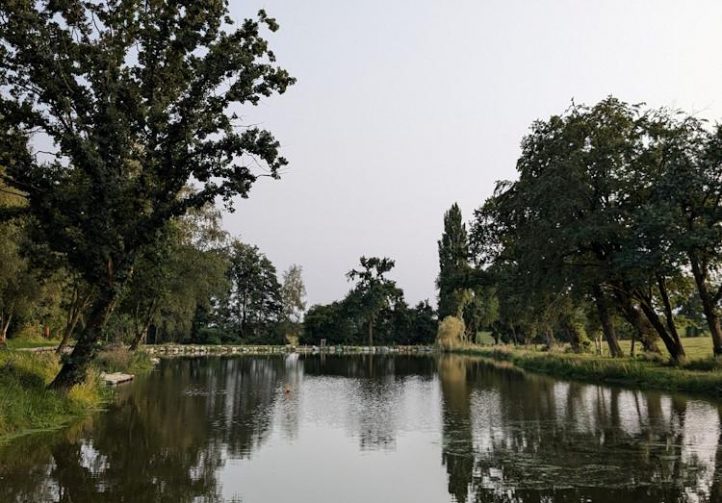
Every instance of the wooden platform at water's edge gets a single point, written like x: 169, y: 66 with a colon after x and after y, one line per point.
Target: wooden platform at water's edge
x: 116, y: 378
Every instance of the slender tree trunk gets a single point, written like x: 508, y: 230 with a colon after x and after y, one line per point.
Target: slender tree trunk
x: 142, y: 332
x: 668, y: 312
x: 371, y: 331
x: 550, y: 339
x: 709, y: 306
x: 605, y: 319
x: 81, y: 299
x: 66, y: 337
x: 68, y: 332
x: 75, y: 366
x: 575, y: 338
x: 140, y: 336
x: 645, y: 332
x: 4, y: 326
x: 672, y: 343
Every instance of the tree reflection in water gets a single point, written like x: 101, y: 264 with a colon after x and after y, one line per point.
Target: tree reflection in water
x: 512, y: 437
x: 499, y: 435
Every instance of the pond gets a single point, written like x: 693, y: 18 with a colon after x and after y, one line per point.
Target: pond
x: 322, y: 428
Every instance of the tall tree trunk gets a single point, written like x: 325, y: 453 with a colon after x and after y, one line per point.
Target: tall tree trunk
x: 575, y: 338
x: 550, y: 338
x: 141, y: 332
x: 668, y: 311
x: 68, y: 331
x: 645, y: 332
x: 76, y: 364
x: 605, y: 319
x: 709, y: 303
x: 671, y: 339
x: 139, y: 337
x: 513, y: 335
x: 81, y: 299
x: 371, y: 331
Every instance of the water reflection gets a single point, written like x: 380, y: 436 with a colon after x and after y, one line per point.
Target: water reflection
x: 512, y: 437
x: 372, y: 428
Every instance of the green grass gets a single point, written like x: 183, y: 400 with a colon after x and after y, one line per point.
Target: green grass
x: 23, y: 343
x: 697, y: 348
x: 484, y: 337
x: 119, y: 359
x: 25, y: 402
x: 696, y: 377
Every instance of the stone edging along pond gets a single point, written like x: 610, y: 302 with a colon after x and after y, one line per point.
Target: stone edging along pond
x: 200, y: 350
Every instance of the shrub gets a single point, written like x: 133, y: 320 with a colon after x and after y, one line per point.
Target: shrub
x: 450, y: 333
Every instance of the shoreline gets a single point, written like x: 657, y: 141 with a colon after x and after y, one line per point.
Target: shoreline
x: 625, y: 371
x: 169, y: 350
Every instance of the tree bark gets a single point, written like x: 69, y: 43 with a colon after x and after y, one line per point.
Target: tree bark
x: 575, y: 339
x: 68, y: 332
x: 140, y: 336
x: 605, y: 319
x: 4, y: 326
x: 76, y: 364
x: 645, y: 332
x: 671, y: 340
x: 550, y: 339
x: 371, y: 331
x: 142, y: 332
x: 668, y: 312
x: 709, y: 303
x: 75, y: 312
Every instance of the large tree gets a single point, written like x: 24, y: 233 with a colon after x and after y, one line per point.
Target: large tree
x: 131, y: 100
x: 293, y: 293
x: 254, y: 303
x: 578, y: 221
x: 175, y: 276
x: 373, y: 289
x: 453, y: 265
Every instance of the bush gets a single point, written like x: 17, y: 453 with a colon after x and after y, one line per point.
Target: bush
x: 450, y: 333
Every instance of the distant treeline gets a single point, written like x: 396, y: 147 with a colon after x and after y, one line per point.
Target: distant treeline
x: 373, y: 312
x: 192, y: 284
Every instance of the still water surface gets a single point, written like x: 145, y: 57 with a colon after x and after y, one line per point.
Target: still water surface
x: 315, y: 429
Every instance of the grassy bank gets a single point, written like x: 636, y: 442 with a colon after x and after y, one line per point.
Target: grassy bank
x: 26, y: 405
x: 25, y: 402
x: 627, y: 371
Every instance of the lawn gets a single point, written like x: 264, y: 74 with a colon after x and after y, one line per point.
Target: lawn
x: 697, y: 348
x: 23, y: 343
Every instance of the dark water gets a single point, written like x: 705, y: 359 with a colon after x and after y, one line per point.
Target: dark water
x: 371, y: 429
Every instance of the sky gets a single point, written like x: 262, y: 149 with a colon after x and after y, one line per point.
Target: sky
x: 403, y: 107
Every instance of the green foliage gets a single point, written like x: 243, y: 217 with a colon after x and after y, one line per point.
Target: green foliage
x: 293, y: 293
x: 137, y: 101
x: 451, y: 334
x: 254, y: 303
x: 373, y: 291
x: 453, y: 265
x: 613, y: 207
x: 120, y: 359
x: 180, y: 273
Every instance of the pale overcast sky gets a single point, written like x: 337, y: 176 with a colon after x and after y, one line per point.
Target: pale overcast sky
x: 403, y: 107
